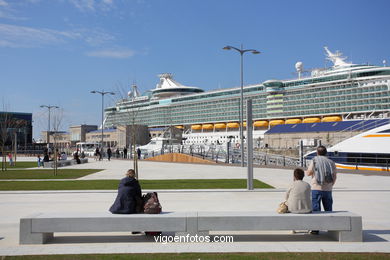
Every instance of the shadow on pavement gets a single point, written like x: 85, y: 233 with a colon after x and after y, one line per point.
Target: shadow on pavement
x: 141, y: 238
x: 372, y: 235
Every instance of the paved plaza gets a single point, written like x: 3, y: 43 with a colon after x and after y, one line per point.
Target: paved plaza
x: 367, y: 196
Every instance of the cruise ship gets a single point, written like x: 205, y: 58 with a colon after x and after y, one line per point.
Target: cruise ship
x: 344, y: 91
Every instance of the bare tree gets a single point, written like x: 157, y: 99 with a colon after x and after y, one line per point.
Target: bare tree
x: 132, y: 115
x: 57, y: 122
x: 5, y: 124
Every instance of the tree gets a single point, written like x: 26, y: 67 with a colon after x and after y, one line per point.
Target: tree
x: 5, y: 123
x: 57, y: 122
x: 132, y: 119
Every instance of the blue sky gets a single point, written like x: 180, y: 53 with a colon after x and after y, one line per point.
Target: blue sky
x: 56, y: 51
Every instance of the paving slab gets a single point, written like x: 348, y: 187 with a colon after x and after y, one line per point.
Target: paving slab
x: 367, y: 196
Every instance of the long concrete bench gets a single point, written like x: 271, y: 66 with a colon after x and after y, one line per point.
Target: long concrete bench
x: 39, y: 228
x: 62, y: 163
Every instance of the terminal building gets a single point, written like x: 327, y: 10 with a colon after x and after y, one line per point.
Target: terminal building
x: 15, y: 126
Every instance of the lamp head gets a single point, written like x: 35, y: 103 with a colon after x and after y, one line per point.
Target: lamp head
x: 227, y: 48
x: 93, y: 91
x: 256, y: 52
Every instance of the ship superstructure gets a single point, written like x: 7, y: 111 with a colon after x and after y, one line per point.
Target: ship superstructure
x: 343, y: 92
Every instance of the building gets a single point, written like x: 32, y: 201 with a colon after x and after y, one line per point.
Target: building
x: 120, y: 136
x: 15, y: 126
x: 60, y: 138
x: 78, y: 133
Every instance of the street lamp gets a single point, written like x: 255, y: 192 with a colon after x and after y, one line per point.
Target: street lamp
x: 48, y: 126
x: 241, y: 112
x: 102, y: 93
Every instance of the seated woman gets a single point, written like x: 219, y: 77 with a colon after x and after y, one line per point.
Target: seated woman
x: 298, y: 196
x: 129, y: 191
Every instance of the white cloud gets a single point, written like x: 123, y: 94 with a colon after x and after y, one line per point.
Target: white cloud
x: 3, y: 3
x: 92, y: 5
x: 20, y: 36
x: 112, y: 53
x: 27, y: 37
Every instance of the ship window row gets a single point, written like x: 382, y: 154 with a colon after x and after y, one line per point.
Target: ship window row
x: 343, y: 103
x: 219, y: 94
x: 336, y: 98
x: 333, y: 92
x: 206, y: 117
x: 350, y: 89
x: 339, y: 110
x: 336, y: 77
x: 314, y: 80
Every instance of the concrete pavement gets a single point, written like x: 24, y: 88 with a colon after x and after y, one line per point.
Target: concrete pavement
x: 365, y: 195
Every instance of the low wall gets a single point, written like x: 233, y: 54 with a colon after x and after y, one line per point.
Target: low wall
x: 178, y: 157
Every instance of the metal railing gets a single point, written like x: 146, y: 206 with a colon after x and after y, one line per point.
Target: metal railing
x: 220, y: 154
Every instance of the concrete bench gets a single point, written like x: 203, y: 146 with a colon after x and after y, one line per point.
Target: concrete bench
x: 342, y: 225
x: 62, y: 163
x: 37, y: 229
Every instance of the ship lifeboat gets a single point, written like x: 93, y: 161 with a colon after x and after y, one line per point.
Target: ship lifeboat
x: 208, y: 127
x: 276, y: 122
x: 293, y: 121
x: 312, y: 120
x: 261, y: 123
x: 331, y: 119
x: 179, y: 126
x: 220, y: 126
x: 196, y: 127
x: 233, y: 125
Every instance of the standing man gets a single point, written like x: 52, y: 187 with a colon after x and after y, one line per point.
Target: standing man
x: 124, y: 153
x: 323, y: 173
x: 109, y: 153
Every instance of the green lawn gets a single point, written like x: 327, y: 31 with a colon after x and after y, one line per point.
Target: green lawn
x: 21, y: 165
x: 215, y: 256
x: 45, y: 174
x: 113, y: 184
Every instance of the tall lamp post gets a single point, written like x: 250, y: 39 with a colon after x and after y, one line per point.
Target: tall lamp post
x: 241, y: 112
x: 48, y: 126
x: 102, y: 93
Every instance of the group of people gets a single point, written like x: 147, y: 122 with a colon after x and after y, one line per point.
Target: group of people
x: 99, y: 153
x: 303, y: 197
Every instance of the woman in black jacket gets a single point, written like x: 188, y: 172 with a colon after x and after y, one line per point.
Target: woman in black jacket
x: 129, y: 191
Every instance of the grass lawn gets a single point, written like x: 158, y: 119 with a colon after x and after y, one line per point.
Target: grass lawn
x: 45, y: 174
x: 215, y: 256
x: 21, y: 165
x: 145, y: 184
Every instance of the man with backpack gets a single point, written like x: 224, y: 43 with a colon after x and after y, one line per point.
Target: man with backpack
x: 323, y: 173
